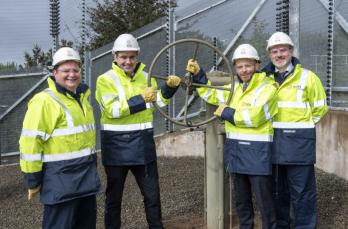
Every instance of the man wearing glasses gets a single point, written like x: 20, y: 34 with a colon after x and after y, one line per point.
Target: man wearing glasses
x: 57, y: 147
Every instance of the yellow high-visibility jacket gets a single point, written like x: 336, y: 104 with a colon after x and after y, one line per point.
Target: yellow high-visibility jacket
x: 302, y: 103
x: 57, y: 145
x: 126, y: 120
x: 248, y: 124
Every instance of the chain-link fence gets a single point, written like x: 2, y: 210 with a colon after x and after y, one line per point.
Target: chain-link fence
x: 20, y: 82
x: 318, y: 27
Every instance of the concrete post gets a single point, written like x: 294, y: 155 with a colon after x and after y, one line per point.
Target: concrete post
x: 214, y: 174
x: 216, y: 192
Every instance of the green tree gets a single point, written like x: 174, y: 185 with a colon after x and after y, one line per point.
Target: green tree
x: 39, y: 58
x: 111, y: 18
x: 9, y: 67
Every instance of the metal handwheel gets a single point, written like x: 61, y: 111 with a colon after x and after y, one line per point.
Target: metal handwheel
x: 187, y: 81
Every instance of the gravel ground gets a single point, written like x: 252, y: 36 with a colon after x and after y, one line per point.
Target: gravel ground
x: 182, y: 189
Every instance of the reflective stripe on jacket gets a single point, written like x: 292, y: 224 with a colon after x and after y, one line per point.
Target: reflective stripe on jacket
x: 302, y: 103
x: 57, y: 146
x: 247, y: 148
x: 114, y: 90
x: 126, y: 120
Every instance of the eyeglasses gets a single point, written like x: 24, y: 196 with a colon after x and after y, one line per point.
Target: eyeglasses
x: 73, y: 70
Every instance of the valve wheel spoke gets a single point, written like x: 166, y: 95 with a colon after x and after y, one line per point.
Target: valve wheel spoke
x: 187, y: 81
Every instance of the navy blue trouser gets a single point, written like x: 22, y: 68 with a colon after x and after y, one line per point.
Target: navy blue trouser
x: 295, y: 184
x: 146, y: 177
x: 80, y: 213
x: 244, y: 185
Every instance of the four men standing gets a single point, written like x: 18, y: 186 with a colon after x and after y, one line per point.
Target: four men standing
x: 58, y: 137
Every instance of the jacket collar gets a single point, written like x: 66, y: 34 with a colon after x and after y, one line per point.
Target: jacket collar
x: 270, y: 68
x: 257, y: 76
x: 138, y: 68
x: 81, y: 89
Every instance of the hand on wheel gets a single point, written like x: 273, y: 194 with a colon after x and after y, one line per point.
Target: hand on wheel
x: 192, y: 66
x: 149, y: 95
x: 173, y: 81
x: 219, y: 110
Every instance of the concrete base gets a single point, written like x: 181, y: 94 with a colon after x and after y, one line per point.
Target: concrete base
x: 332, y: 143
x: 181, y: 143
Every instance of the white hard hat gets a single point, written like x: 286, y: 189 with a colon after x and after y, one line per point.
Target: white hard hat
x: 279, y: 38
x: 125, y: 42
x: 65, y: 54
x: 245, y: 51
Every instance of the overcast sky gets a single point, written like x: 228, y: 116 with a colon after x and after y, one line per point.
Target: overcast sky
x: 24, y: 23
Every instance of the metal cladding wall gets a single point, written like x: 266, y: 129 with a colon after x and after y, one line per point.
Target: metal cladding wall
x: 323, y: 45
x: 228, y: 24
x: 11, y: 123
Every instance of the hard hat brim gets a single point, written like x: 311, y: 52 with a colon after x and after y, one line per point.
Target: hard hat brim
x: 64, y: 61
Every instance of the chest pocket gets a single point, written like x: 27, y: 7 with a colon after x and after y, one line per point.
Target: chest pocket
x: 245, y: 101
x: 298, y: 88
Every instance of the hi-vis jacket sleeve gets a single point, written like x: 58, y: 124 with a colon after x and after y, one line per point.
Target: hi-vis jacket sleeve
x: 259, y: 110
x: 317, y: 98
x: 39, y: 123
x: 113, y: 99
x: 112, y: 104
x: 249, y: 111
x: 213, y: 96
x: 164, y: 94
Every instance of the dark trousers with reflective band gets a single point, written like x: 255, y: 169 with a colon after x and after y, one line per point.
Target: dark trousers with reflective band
x: 79, y: 213
x: 146, y: 177
x: 295, y: 184
x: 244, y: 185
